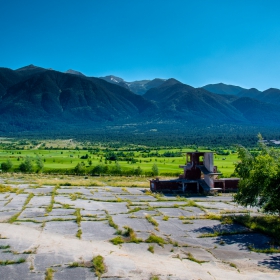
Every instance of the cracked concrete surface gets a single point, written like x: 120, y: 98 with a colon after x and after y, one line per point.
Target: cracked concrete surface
x: 49, y: 239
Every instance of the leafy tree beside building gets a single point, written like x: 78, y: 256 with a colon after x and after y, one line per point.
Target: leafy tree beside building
x: 259, y: 174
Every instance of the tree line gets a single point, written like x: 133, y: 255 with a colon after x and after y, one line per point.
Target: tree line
x: 27, y: 166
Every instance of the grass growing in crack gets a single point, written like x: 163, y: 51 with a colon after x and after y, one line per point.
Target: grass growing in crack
x: 227, y: 220
x: 191, y: 203
x: 111, y: 222
x: 128, y: 236
x: 8, y: 201
x: 5, y: 188
x: 55, y: 220
x: 233, y: 265
x: 212, y: 216
x: 270, y: 250
x: 30, y: 251
x: 187, y: 222
x: 151, y: 249
x: 79, y: 233
x: 14, y: 217
x: 9, y: 262
x: 159, y: 196
x: 74, y: 196
x: 49, y: 274
x: 221, y: 233
x: 28, y: 199
x: 118, y: 232
x: 74, y: 264
x: 19, y: 191
x: 156, y: 239
x: 136, y: 209
x: 77, y: 213
x: 165, y: 218
x: 193, y: 259
x: 4, y: 247
x: 117, y: 240
x: 99, y: 266
x: 66, y: 206
x: 54, y: 193
x: 151, y: 220
x: 154, y: 277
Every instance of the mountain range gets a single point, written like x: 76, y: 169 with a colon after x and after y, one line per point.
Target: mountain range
x: 37, y: 99
x: 271, y: 95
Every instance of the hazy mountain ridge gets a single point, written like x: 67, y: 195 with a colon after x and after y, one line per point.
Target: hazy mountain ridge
x: 62, y: 96
x: 34, y: 98
x: 271, y: 95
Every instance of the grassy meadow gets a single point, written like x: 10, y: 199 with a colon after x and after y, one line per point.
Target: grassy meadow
x: 63, y: 155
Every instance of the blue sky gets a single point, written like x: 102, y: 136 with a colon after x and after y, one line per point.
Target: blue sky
x: 197, y: 42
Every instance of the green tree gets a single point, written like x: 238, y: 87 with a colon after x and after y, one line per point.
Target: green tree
x: 80, y: 168
x: 138, y: 171
x: 7, y: 166
x: 99, y: 169
x: 155, y: 170
x: 39, y: 163
x: 117, y: 170
x: 27, y: 165
x: 259, y: 174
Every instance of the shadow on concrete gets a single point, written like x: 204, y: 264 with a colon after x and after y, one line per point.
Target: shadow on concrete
x: 243, y: 240
x: 221, y: 228
x: 271, y: 262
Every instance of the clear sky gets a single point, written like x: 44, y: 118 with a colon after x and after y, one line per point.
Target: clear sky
x: 197, y: 42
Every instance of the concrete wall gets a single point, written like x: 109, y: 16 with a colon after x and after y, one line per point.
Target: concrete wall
x: 209, y: 181
x: 209, y: 161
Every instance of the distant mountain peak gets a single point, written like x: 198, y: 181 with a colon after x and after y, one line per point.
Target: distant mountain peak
x: 221, y: 88
x: 253, y: 89
x: 113, y: 79
x: 170, y: 82
x: 28, y: 67
x: 74, y: 72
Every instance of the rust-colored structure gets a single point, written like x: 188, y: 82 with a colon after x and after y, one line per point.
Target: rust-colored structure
x: 200, y: 175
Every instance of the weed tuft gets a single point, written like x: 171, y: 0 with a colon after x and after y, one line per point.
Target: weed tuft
x: 151, y: 220
x: 193, y: 259
x: 270, y: 250
x: 79, y: 233
x: 156, y: 239
x: 151, y: 249
x: 49, y: 274
x: 117, y: 240
x: 74, y: 264
x: 99, y: 266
